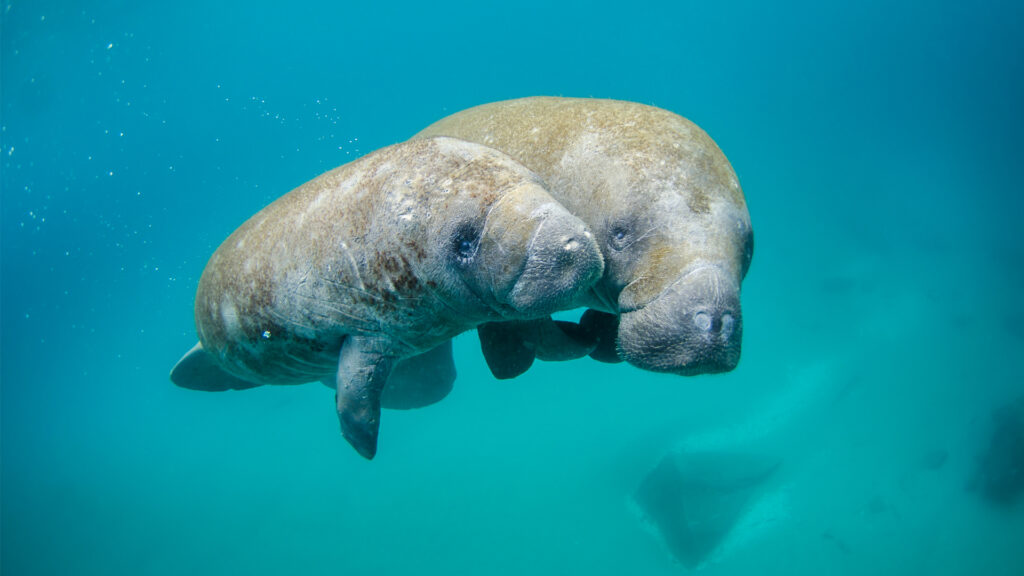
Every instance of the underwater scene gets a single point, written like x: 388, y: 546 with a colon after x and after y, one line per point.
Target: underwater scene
x: 849, y: 210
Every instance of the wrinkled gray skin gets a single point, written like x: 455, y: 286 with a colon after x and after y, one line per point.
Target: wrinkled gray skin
x: 382, y: 260
x: 667, y: 211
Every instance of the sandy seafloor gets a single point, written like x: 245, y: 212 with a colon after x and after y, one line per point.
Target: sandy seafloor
x: 879, y: 148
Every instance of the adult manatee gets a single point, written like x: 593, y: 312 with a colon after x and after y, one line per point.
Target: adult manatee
x: 383, y: 259
x: 668, y: 213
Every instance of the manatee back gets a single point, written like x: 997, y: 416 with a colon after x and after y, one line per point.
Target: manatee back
x: 270, y: 298
x: 635, y: 147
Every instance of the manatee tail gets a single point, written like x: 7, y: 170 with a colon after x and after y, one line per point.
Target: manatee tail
x: 198, y: 370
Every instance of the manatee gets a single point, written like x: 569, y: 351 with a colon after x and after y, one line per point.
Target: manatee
x: 998, y: 474
x: 693, y: 500
x: 380, y: 261
x: 668, y: 212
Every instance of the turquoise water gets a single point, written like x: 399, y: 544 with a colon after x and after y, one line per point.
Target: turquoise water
x: 878, y: 146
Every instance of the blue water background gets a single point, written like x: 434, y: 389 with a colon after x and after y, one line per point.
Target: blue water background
x: 879, y: 147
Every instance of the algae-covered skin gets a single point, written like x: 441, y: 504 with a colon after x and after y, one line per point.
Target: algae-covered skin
x: 666, y: 208
x: 382, y: 260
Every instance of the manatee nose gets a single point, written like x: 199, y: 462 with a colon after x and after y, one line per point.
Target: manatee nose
x: 716, y: 324
x: 715, y: 338
x: 575, y: 247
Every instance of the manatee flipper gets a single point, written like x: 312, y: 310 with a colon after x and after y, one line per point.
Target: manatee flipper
x: 558, y: 341
x: 603, y: 328
x: 197, y: 370
x: 420, y: 380
x: 504, y: 349
x: 510, y: 347
x: 363, y: 368
x: 416, y: 381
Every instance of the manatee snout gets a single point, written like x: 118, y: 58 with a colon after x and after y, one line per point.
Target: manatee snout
x: 562, y: 262
x: 694, y: 327
x: 540, y: 258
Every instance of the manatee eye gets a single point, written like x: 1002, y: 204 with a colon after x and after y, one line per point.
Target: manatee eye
x: 618, y: 237
x: 464, y: 245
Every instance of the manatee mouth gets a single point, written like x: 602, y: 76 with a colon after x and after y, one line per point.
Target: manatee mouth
x: 693, y: 327
x: 562, y: 263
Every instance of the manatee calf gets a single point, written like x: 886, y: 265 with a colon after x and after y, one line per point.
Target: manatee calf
x: 693, y: 500
x: 667, y: 211
x: 382, y: 260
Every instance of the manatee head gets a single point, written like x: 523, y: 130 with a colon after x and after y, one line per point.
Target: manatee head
x: 509, y: 249
x: 677, y: 248
x: 535, y: 257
